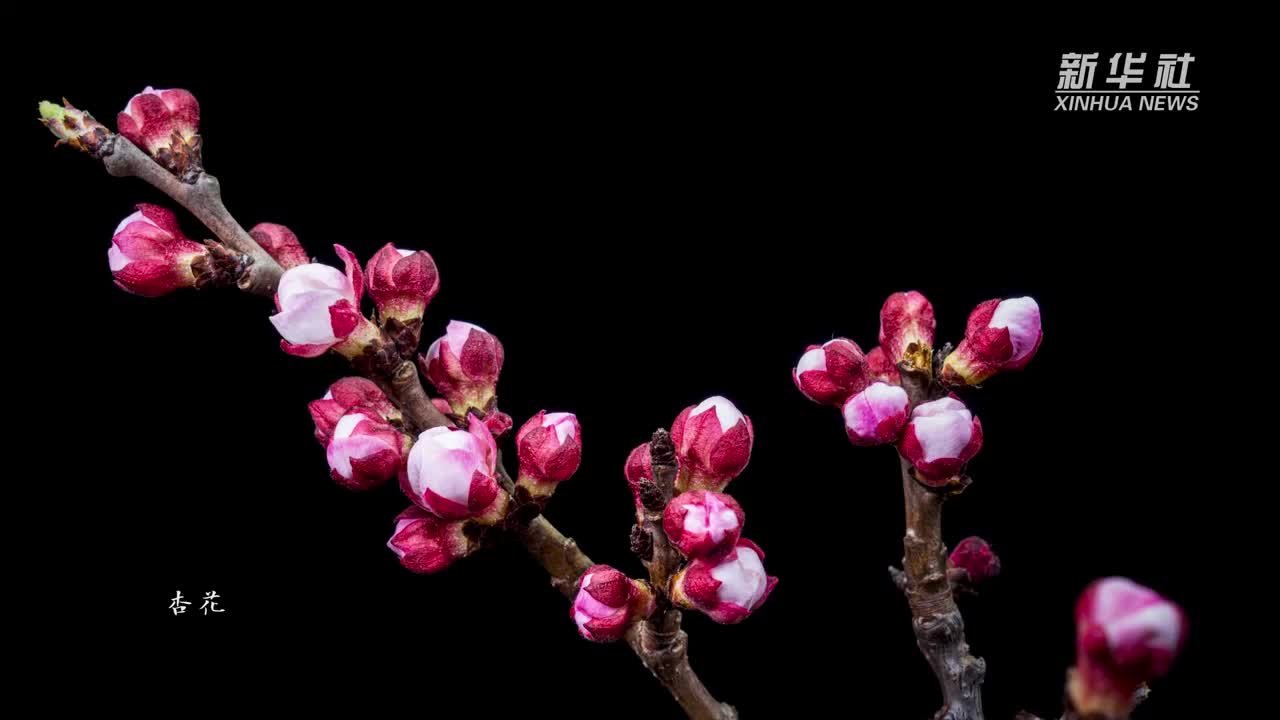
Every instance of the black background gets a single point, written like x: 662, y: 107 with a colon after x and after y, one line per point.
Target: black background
x: 644, y: 223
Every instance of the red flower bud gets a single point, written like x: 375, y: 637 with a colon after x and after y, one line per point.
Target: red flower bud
x: 1126, y: 635
x: 881, y: 369
x: 426, y: 544
x: 726, y: 587
x: 906, y: 330
x: 1001, y: 335
x: 713, y: 443
x: 550, y: 450
x: 149, y: 255
x: 639, y: 467
x: 166, y: 124
x: 940, y: 438
x: 608, y: 602
x: 463, y: 365
x: 876, y: 415
x: 974, y: 556
x: 402, y: 282
x: 703, y: 523
x: 364, y: 451
x: 280, y: 243
x: 829, y: 373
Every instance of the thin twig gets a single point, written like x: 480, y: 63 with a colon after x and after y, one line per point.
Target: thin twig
x: 203, y: 198
x: 662, y: 647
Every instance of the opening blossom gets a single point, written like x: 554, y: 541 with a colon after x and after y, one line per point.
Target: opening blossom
x: 876, y: 415
x: 713, y: 444
x: 166, y: 124
x: 1126, y: 635
x: 549, y: 447
x: 319, y: 309
x: 829, y: 373
x: 149, y: 255
x: 727, y: 587
x: 464, y: 365
x: 451, y: 472
x: 702, y: 523
x: 426, y: 544
x: 343, y: 395
x: 608, y: 602
x: 1001, y: 335
x: 940, y: 438
x: 906, y: 330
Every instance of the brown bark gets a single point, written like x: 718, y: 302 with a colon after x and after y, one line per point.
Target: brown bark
x: 935, y: 618
x: 203, y: 198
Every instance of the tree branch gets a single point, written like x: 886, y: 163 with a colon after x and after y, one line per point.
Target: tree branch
x: 203, y: 198
x: 936, y: 620
x: 661, y: 646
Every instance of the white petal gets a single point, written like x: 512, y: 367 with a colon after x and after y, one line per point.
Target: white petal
x: 346, y: 424
x: 743, y: 579
x: 302, y: 280
x: 307, y: 321
x: 726, y: 413
x: 564, y: 424
x: 444, y: 461
x: 456, y: 334
x: 1022, y: 317
x: 815, y: 359
x: 116, y: 258
x: 136, y: 217
x: 945, y: 435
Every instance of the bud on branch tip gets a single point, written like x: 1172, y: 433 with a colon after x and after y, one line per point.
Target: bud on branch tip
x: 1126, y: 635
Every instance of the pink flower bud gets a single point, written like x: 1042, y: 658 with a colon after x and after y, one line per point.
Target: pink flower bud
x: 703, y: 523
x: 1001, y: 335
x: 280, y: 243
x: 713, y: 443
x: 639, y: 467
x: 906, y: 330
x: 975, y: 557
x: 464, y: 366
x: 829, y: 373
x: 402, y: 282
x: 550, y: 449
x: 1126, y: 635
x: 876, y: 415
x: 880, y: 369
x: 726, y: 587
x: 320, y: 309
x: 345, y: 394
x: 608, y: 602
x: 364, y: 450
x: 166, y: 124
x: 940, y: 438
x: 451, y: 471
x: 149, y: 255
x: 426, y: 544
